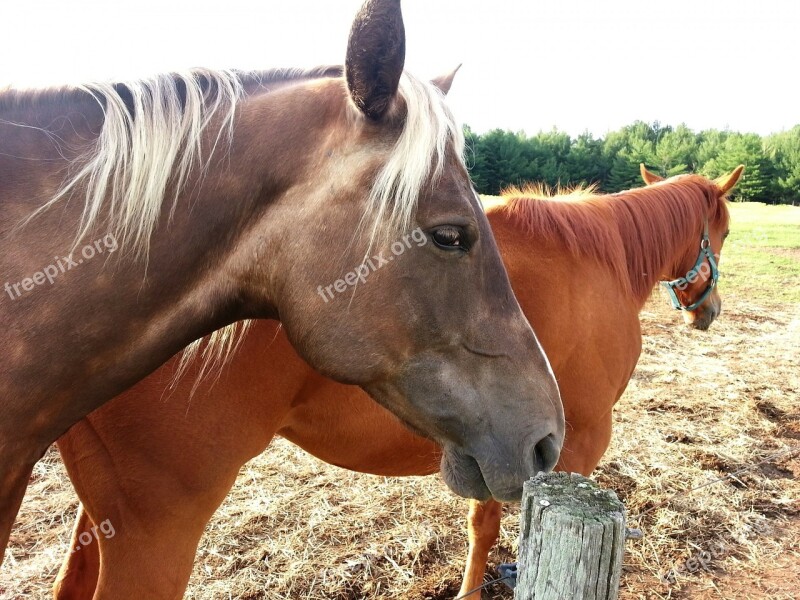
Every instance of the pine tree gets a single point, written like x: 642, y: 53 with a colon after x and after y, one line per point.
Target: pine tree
x: 743, y: 149
x: 500, y: 158
x: 783, y: 151
x: 674, y: 152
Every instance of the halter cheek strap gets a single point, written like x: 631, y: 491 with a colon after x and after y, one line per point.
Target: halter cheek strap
x: 706, y: 254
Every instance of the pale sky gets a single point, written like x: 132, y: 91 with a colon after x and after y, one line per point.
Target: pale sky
x: 527, y: 64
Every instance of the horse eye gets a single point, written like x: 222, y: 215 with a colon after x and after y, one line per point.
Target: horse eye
x: 448, y: 237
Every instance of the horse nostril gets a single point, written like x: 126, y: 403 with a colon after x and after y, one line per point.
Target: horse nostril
x: 546, y: 453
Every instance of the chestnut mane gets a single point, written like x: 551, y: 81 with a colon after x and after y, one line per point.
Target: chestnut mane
x: 636, y: 232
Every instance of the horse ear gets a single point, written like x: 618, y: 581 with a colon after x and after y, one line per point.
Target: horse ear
x: 443, y: 82
x: 726, y: 182
x: 649, y: 178
x: 376, y: 53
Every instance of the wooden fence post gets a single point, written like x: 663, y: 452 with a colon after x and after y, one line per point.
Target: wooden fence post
x: 571, y: 541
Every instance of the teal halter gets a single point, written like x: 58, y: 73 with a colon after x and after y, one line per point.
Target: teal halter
x: 706, y: 254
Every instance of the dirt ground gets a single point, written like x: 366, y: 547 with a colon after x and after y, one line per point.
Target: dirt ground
x: 701, y: 406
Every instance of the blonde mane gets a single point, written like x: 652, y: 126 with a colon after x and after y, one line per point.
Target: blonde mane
x: 151, y: 138
x: 141, y: 149
x: 417, y: 156
x: 156, y: 141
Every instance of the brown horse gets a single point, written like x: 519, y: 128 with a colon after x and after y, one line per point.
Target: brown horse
x: 155, y: 465
x: 187, y: 202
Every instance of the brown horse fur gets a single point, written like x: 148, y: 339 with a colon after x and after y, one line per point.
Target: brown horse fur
x: 156, y: 464
x: 231, y: 196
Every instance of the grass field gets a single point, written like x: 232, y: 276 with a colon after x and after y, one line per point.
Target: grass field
x: 700, y: 406
x: 762, y: 254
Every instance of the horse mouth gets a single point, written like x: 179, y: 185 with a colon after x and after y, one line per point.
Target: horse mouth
x: 701, y: 324
x: 463, y: 475
x: 702, y: 320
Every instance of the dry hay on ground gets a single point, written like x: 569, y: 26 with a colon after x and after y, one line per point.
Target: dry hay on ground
x: 700, y: 406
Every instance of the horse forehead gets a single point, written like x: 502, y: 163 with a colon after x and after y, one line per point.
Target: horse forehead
x: 456, y: 184
x: 452, y: 192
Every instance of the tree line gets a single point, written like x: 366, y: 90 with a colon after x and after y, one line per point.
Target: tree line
x: 498, y: 159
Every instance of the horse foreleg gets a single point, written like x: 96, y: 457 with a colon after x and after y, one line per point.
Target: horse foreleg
x: 77, y: 578
x: 13, y: 483
x: 483, y: 524
x: 153, y: 563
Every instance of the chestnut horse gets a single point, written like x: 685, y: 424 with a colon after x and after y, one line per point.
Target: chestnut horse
x: 157, y: 464
x: 138, y: 217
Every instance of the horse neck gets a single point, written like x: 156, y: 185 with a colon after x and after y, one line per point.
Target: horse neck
x: 658, y: 225
x: 266, y: 154
x: 194, y: 279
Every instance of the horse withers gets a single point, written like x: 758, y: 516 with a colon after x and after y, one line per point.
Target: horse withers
x: 229, y: 196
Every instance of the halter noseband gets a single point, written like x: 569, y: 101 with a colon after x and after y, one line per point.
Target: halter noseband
x: 682, y: 282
